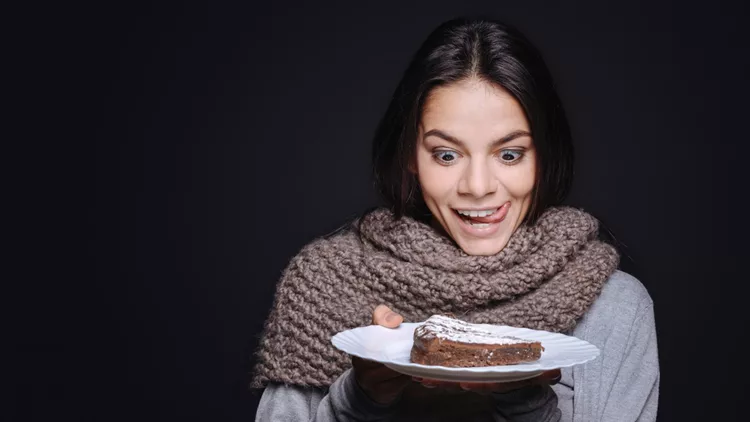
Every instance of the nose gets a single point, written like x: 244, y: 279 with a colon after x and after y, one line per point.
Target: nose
x: 477, y: 180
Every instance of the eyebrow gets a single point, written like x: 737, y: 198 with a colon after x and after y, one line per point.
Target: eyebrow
x: 505, y: 139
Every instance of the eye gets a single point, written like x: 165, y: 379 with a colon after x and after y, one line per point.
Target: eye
x: 445, y: 157
x: 510, y: 156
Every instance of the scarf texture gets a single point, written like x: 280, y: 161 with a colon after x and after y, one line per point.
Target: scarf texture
x: 546, y: 278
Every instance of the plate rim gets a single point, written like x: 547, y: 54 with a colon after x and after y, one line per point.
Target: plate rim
x: 490, y: 377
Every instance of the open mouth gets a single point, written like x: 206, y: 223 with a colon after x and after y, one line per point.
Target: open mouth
x: 476, y: 218
x: 482, y: 219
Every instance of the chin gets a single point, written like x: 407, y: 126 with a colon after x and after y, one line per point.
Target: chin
x: 482, y: 248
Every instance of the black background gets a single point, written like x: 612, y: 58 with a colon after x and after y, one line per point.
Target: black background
x: 225, y: 138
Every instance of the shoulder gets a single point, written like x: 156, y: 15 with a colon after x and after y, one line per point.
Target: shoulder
x: 623, y: 290
x: 623, y: 300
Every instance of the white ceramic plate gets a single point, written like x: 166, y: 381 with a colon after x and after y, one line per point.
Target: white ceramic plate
x: 393, y: 346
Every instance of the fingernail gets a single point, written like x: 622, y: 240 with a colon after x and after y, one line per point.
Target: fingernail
x: 390, y: 316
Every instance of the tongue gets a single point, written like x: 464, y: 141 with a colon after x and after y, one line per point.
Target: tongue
x: 494, y: 218
x: 488, y: 219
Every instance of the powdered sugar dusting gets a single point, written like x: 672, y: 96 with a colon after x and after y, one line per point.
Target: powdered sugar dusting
x: 451, y: 329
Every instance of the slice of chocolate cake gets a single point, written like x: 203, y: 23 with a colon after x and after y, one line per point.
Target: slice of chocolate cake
x: 447, y: 341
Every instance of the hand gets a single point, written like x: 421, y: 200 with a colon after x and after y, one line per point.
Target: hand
x: 382, y: 384
x: 546, y: 378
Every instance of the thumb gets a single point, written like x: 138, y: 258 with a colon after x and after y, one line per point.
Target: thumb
x: 384, y: 316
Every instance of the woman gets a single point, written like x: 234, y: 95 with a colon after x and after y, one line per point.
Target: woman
x: 473, y: 158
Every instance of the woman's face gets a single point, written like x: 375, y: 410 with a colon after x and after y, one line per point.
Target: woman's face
x: 476, y: 164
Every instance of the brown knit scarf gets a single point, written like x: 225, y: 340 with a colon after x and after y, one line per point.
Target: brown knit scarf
x: 545, y: 278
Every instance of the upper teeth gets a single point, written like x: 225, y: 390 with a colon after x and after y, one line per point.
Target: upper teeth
x: 483, y: 213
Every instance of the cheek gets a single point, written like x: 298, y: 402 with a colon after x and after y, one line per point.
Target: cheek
x: 435, y: 184
x: 436, y: 181
x: 521, y: 182
x: 522, y: 186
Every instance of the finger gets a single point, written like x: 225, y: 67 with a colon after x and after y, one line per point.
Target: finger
x: 445, y: 386
x: 384, y: 316
x: 549, y: 377
x: 504, y: 387
x: 432, y: 383
x: 480, y: 387
x: 473, y: 385
x: 546, y: 378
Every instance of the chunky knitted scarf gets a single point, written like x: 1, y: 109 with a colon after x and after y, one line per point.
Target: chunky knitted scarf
x: 545, y: 278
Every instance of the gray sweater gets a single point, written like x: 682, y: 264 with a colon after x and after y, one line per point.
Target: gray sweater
x: 622, y: 384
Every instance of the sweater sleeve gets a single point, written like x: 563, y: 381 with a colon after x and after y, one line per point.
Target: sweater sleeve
x: 634, y: 386
x: 343, y: 402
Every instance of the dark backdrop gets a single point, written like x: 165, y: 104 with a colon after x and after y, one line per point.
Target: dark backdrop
x: 228, y: 137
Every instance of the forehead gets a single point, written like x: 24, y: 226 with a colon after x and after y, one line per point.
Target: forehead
x: 474, y: 108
